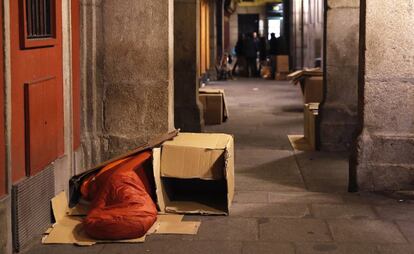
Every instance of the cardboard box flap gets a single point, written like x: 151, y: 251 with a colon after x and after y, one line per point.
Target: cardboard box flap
x: 192, y: 207
x: 229, y: 166
x: 159, y: 190
x: 198, y: 140
x: 211, y: 90
x: 60, y: 206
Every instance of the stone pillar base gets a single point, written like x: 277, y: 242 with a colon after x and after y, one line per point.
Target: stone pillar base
x: 337, y: 128
x: 385, y: 162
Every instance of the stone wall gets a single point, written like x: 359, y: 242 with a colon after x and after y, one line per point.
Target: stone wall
x: 92, y: 89
x: 128, y: 74
x: 339, y: 111
x: 188, y: 116
x: 385, y: 152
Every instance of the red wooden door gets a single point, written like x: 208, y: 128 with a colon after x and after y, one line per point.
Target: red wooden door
x: 2, y: 140
x: 37, y: 86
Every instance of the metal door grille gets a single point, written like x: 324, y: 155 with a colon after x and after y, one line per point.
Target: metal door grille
x: 31, y: 207
x: 39, y: 18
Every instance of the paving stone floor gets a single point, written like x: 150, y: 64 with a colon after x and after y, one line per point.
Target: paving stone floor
x: 286, y: 201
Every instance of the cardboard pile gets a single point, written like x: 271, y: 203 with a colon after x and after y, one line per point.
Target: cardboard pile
x: 193, y: 173
x: 214, y: 105
x: 68, y: 228
x: 311, y: 82
x: 297, y: 76
x: 313, y: 90
x: 308, y: 141
x: 282, y: 67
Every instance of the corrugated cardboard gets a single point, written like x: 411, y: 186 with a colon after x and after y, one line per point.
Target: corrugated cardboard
x: 214, y: 105
x: 212, y: 108
x: 311, y: 114
x: 194, y: 174
x: 282, y: 63
x: 299, y: 76
x: 313, y: 90
x: 307, y: 142
x: 68, y: 229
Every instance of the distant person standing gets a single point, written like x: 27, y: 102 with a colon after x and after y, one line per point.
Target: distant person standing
x: 262, y: 52
x: 256, y: 40
x: 240, y: 54
x: 250, y: 50
x: 273, y: 50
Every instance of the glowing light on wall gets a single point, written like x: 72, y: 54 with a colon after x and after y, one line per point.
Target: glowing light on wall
x: 261, y: 27
x: 274, y: 27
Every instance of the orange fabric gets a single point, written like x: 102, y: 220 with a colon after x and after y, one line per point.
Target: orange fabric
x: 121, y: 207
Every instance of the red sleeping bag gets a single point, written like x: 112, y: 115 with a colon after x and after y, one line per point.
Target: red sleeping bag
x: 121, y: 207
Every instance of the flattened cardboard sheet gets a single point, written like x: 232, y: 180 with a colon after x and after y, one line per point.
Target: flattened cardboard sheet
x: 180, y: 228
x: 299, y: 143
x: 68, y: 229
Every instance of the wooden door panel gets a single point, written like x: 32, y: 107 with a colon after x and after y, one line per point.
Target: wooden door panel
x: 41, y: 118
x: 2, y: 140
x: 42, y: 59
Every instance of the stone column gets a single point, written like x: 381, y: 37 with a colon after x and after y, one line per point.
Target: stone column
x: 385, y: 152
x: 339, y: 110
x: 188, y: 116
x: 91, y: 34
x: 127, y: 74
x: 213, y: 40
x: 138, y: 71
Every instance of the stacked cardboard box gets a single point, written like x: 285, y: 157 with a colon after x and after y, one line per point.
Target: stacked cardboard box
x: 311, y: 114
x: 311, y: 83
x: 313, y: 90
x: 282, y: 67
x: 214, y: 105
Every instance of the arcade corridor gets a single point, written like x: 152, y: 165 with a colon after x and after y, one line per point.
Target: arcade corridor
x: 286, y: 201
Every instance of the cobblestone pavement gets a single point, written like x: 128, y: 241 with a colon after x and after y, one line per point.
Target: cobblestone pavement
x: 286, y: 201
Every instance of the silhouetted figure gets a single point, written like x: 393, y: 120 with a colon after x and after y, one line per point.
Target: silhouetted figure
x: 250, y: 50
x: 273, y: 50
x: 281, y: 48
x: 239, y: 48
x: 262, y: 52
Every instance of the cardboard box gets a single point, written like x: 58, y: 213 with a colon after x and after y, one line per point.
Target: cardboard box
x: 280, y: 76
x: 313, y: 90
x: 214, y: 105
x: 298, y: 76
x: 282, y: 62
x: 311, y: 114
x: 212, y: 108
x: 194, y: 174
